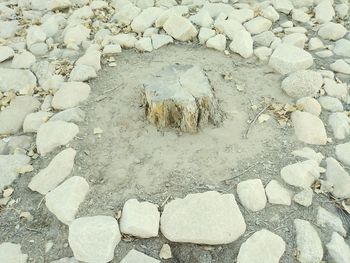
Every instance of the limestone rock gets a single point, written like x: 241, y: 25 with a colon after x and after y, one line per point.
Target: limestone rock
x: 6, y: 53
x: 11, y: 253
x: 112, y: 49
x: 12, y: 117
x: 33, y: 121
x: 202, y: 18
x: 70, y: 95
x: 309, y: 245
x: 328, y: 219
x: 263, y: 246
x: 70, y: 115
x: 217, y: 42
x: 54, y: 134
x: 144, y: 44
x: 65, y: 260
x: 304, y: 197
x: 65, y: 199
x: 315, y: 43
x: 165, y: 252
x: 277, y: 194
x: 135, y: 256
x: 17, y: 80
x: 332, y: 31
x: 342, y: 48
x: 229, y: 27
x: 283, y: 6
x: 82, y: 73
x: 35, y: 35
x: 339, y: 178
x: 252, y: 194
x: 242, y: 43
x: 301, y: 174
x: 54, y: 5
x: 338, y: 249
x: 126, y: 12
x: 324, y: 11
x: 204, y: 218
x: 159, y: 41
x: 302, y: 83
x: 93, y: 239
x: 205, y: 34
x: 309, y: 128
x: 146, y: 19
x: 342, y: 152
x: 310, y: 105
x: 288, y: 58
x: 9, y: 168
x: 335, y: 89
x: 75, y: 35
x: 309, y: 154
x: 258, y: 25
x: 180, y: 28
x: 23, y: 60
x: 90, y: 58
x: 140, y: 219
x: 270, y: 13
x: 55, y: 173
x: 340, y: 124
x: 331, y: 104
x: 180, y: 97
x: 340, y: 66
x: 8, y: 29
x: 180, y: 10
x: 263, y: 53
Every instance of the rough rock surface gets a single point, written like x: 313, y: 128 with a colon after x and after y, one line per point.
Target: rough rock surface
x: 251, y: 193
x: 338, y: 249
x: 180, y: 28
x: 70, y: 95
x: 342, y: 152
x: 338, y: 177
x: 277, y: 194
x: 328, y: 219
x: 204, y: 218
x: 16, y: 79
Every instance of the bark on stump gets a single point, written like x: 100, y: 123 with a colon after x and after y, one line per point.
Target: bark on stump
x: 180, y: 96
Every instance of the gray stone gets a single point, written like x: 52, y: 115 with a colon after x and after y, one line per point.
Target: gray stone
x: 17, y: 80
x: 33, y: 121
x: 338, y: 249
x: 309, y: 154
x: 65, y: 260
x: 23, y: 60
x: 331, y: 104
x: 204, y: 218
x: 342, y: 48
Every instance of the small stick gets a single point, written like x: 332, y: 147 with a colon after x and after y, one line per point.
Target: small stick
x: 254, y: 120
x: 240, y: 174
x: 166, y: 200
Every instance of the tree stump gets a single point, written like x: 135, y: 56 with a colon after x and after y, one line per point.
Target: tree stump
x: 180, y: 97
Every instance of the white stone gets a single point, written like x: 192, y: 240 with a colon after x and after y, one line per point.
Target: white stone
x: 302, y: 3
x: 144, y: 44
x: 338, y: 249
x: 324, y: 11
x: 12, y: 117
x: 288, y: 58
x: 165, y: 252
x: 242, y: 15
x: 11, y: 253
x: 98, y: 4
x: 54, y: 5
x: 328, y: 219
x: 342, y: 48
x: 295, y: 39
x: 258, y: 25
x: 342, y: 10
x: 283, y: 6
x: 302, y: 83
x: 70, y: 95
x: 140, y: 219
x: 65, y: 260
x: 93, y: 239
x: 301, y: 174
x: 242, y: 43
x: 228, y: 27
x: 214, y: 9
x: 135, y: 256
x: 332, y: 31
x: 300, y: 16
x: 204, y: 218
x: 202, y: 19
x: 9, y: 168
x: 82, y: 73
x: 263, y: 53
x: 255, y: 248
x: 180, y: 28
x: 335, y: 89
x: 304, y: 197
x: 324, y: 54
x: 91, y: 58
x: 180, y: 10
x: 217, y: 42
x: 340, y: 124
x: 33, y: 121
x: 126, y: 12
x: 309, y: 154
x: 270, y: 13
x: 310, y: 105
x: 309, y: 128
x: 143, y: 4
x: 159, y: 41
x: 340, y: 66
x: 23, y: 60
x: 53, y: 83
x: 309, y: 245
x: 264, y: 38
x: 251, y: 193
x: 65, y: 199
x: 150, y: 31
x: 112, y: 49
x: 70, y: 115
x: 277, y: 194
x: 75, y: 35
x: 35, y: 35
x: 339, y: 178
x: 315, y: 43
x: 58, y: 169
x: 205, y: 34
x: 124, y: 40
x: 6, y: 53
x: 342, y: 152
x: 8, y: 29
x: 53, y: 134
x: 19, y: 80
x: 330, y: 104
x: 146, y: 19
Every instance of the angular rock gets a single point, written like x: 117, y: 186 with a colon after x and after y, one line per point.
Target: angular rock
x: 338, y: 249
x: 140, y: 219
x: 112, y: 49
x: 310, y: 105
x: 309, y: 245
x: 309, y: 154
x: 33, y: 121
x: 21, y: 142
x: 331, y: 104
x: 342, y: 152
x: 302, y: 83
x: 205, y: 34
x: 126, y: 12
x: 165, y: 252
x: 301, y: 174
x: 135, y: 256
x: 65, y: 199
x: 54, y: 134
x: 340, y: 124
x: 277, y: 194
x: 228, y: 27
x: 309, y: 128
x: 82, y: 73
x: 283, y: 6
x: 180, y: 28
x: 258, y: 25
x: 70, y: 95
x: 144, y: 44
x: 11, y: 253
x: 217, y: 42
x: 93, y: 239
x: 50, y: 177
x: 288, y: 58
x: 263, y: 53
x: 204, y: 218
x: 6, y: 53
x: 54, y: 5
x: 324, y: 11
x: 332, y: 31
x: 251, y: 193
x: 342, y: 48
x: 270, y: 13
x: 12, y: 117
x: 339, y: 178
x: 75, y: 115
x: 328, y: 219
x: 75, y: 35
x: 315, y: 43
x: 264, y: 38
x: 90, y: 58
x: 254, y: 249
x: 295, y: 39
x: 340, y: 66
x: 202, y: 19
x: 242, y: 43
x: 159, y: 41
x: 304, y: 197
x: 335, y: 89
x: 9, y: 168
x: 35, y: 35
x: 18, y: 80
x: 146, y: 19
x: 124, y: 40
x: 23, y: 60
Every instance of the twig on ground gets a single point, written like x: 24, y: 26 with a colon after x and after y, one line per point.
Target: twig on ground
x: 254, y: 120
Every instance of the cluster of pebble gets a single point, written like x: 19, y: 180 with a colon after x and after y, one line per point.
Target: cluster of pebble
x: 49, y: 48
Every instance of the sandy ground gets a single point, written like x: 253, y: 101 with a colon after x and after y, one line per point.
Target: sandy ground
x: 132, y: 159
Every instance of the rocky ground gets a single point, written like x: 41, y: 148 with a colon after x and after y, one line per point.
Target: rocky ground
x: 174, y: 131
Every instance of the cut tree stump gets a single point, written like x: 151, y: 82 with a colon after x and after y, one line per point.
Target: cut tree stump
x: 180, y: 96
